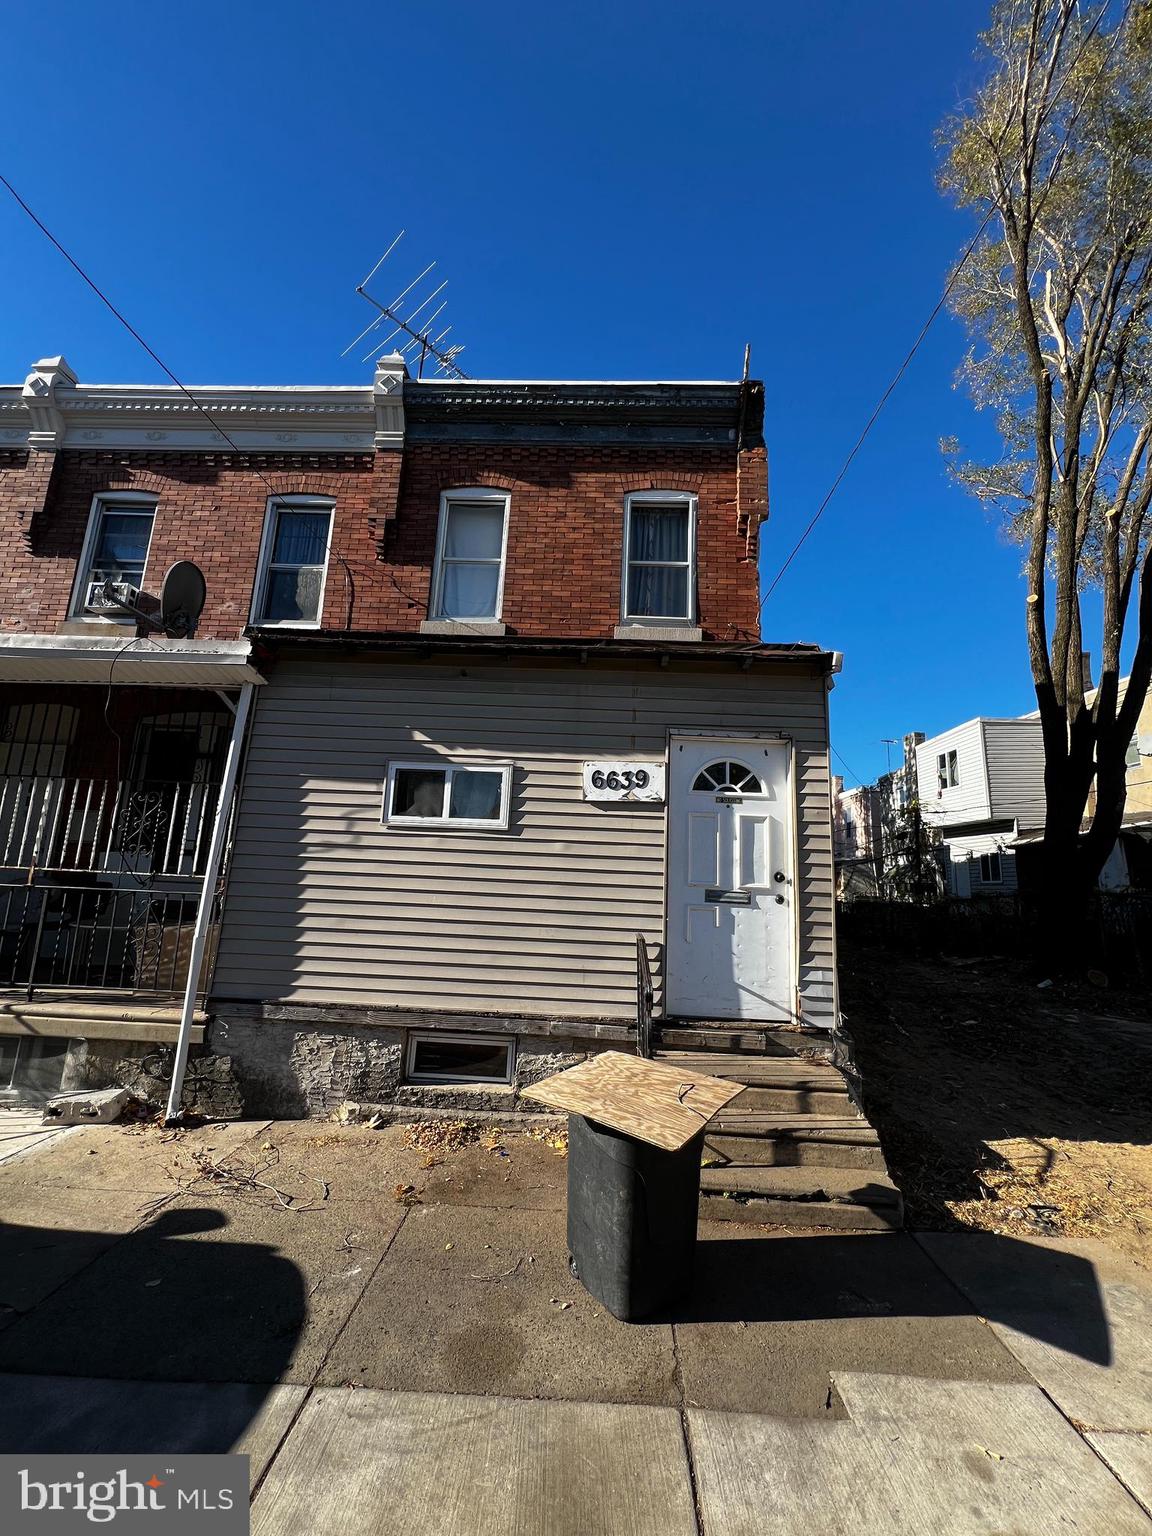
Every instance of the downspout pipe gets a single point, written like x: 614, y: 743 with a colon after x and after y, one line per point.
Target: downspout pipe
x: 204, y: 912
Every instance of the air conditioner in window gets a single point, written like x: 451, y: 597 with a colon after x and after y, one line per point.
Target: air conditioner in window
x: 111, y: 596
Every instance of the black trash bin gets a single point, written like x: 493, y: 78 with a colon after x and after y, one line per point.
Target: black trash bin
x: 632, y: 1210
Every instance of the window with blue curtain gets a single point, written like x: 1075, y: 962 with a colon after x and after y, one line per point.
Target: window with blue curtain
x: 119, y: 545
x: 297, y: 559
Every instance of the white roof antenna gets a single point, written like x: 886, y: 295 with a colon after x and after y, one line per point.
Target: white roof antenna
x: 417, y: 332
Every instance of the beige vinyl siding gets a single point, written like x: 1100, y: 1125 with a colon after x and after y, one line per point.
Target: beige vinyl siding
x: 326, y: 904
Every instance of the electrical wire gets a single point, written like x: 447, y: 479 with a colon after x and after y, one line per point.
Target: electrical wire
x: 937, y: 307
x: 275, y: 496
x: 847, y: 769
x: 880, y: 404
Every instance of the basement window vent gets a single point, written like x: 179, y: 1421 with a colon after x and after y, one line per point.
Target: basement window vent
x: 460, y: 1059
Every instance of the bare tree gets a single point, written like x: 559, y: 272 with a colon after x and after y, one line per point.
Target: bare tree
x: 1055, y: 152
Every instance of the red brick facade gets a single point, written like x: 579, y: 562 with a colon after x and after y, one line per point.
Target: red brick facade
x: 564, y: 558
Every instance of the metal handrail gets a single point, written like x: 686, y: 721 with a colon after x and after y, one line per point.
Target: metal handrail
x: 644, y: 998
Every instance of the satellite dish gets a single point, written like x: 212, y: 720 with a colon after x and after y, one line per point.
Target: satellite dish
x: 182, y: 599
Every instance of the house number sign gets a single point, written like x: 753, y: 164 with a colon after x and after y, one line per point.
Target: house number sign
x: 624, y: 781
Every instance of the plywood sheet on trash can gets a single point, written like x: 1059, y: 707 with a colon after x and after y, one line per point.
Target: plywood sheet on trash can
x: 645, y: 1099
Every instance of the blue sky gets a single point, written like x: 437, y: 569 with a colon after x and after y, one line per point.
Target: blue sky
x: 628, y: 190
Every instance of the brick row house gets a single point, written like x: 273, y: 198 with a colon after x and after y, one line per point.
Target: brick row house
x: 474, y: 737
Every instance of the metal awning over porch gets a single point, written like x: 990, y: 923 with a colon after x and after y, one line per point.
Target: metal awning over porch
x: 124, y: 660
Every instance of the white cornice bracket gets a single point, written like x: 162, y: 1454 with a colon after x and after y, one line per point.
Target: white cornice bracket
x: 388, y: 401
x: 46, y: 432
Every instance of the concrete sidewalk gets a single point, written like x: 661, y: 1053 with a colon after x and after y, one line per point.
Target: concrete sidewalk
x: 912, y: 1455
x: 401, y: 1347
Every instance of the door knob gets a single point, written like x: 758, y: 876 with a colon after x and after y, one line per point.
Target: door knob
x: 779, y: 901
x: 779, y: 877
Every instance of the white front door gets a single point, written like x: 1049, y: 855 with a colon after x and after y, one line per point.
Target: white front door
x: 731, y: 893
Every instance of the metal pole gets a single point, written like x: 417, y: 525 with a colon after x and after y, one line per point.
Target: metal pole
x: 207, y: 896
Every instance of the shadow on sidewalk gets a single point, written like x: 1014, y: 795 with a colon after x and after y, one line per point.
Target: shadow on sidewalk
x: 158, y: 1329
x: 1052, y: 1295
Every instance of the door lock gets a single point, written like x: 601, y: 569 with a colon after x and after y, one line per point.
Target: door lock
x: 779, y: 901
x: 779, y: 877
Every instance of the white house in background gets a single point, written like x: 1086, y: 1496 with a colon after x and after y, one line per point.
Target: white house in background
x: 981, y: 786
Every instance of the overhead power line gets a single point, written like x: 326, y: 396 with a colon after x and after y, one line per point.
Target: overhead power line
x: 880, y: 404
x: 1093, y: 28
x: 276, y: 495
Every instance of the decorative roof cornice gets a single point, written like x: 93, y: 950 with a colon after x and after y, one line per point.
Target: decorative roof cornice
x: 52, y: 411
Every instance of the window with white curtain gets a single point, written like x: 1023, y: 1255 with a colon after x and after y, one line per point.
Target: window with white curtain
x: 437, y: 794
x: 468, y: 580
x: 293, y: 561
x: 659, y: 557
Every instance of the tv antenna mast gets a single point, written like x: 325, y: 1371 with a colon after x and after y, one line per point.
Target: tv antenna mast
x: 420, y: 341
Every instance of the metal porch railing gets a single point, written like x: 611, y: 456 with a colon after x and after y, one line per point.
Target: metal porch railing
x: 54, y: 935
x: 101, y: 826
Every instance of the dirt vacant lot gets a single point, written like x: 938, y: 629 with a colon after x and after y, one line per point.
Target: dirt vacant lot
x: 1005, y: 1105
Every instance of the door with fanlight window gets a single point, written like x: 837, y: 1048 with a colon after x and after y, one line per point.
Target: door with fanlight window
x: 731, y: 890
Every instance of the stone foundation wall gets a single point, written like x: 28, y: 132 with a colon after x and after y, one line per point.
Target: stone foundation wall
x: 145, y: 1069
x: 291, y: 1072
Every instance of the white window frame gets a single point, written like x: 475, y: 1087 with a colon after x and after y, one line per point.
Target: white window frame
x: 686, y: 499
x: 988, y: 879
x: 449, y: 766
x: 102, y: 502
x: 948, y: 769
x: 439, y: 1037
x: 436, y: 603
x: 291, y: 503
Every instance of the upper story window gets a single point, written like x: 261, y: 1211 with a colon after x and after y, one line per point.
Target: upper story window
x: 659, y: 557
x: 293, y: 561
x: 468, y: 579
x: 947, y: 771
x: 115, y: 549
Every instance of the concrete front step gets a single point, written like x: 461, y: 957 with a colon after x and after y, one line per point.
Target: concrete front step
x: 780, y: 1141
x: 848, y: 1199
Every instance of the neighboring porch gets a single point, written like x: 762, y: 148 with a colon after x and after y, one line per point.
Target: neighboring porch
x: 109, y: 796
x: 107, y: 804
